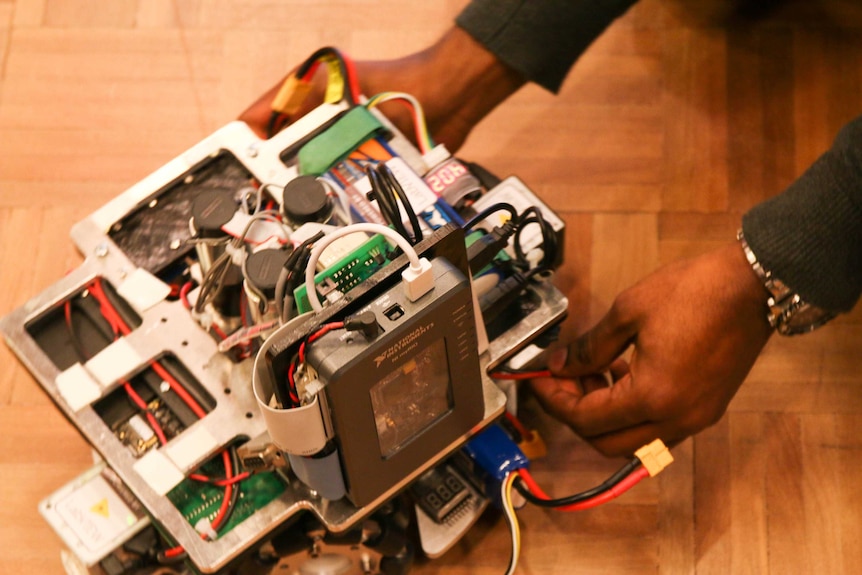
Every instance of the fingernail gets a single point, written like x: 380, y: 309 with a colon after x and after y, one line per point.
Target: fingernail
x: 557, y: 359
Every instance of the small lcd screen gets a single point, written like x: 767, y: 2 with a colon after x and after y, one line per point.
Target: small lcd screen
x: 409, y: 399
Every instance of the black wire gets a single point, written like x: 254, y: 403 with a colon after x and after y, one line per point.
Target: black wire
x: 234, y: 495
x: 271, y: 124
x: 298, y: 260
x: 608, y: 484
x: 395, y: 186
x: 329, y: 51
x: 213, y: 281
x: 386, y: 201
x: 550, y: 247
x: 491, y: 210
x: 275, y: 118
x: 176, y: 559
x: 77, y: 343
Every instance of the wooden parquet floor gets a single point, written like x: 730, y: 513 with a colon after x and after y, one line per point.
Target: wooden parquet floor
x: 681, y: 117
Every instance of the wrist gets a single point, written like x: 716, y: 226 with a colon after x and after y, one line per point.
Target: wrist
x: 457, y: 81
x: 787, y: 311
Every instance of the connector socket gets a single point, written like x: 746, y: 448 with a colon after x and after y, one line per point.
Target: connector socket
x: 655, y: 457
x: 291, y: 96
x: 418, y: 281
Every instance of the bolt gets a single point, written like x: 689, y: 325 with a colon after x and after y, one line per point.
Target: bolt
x: 101, y: 250
x: 252, y: 150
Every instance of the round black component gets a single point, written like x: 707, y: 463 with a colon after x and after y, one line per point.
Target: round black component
x: 305, y: 200
x: 211, y: 209
x: 263, y: 268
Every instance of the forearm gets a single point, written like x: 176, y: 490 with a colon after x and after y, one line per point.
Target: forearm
x: 810, y: 236
x: 540, y: 39
x: 457, y: 80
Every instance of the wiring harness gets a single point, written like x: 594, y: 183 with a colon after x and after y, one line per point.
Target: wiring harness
x: 120, y: 326
x: 648, y: 461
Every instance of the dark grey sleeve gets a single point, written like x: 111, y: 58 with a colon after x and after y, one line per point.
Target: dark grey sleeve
x: 541, y: 39
x: 810, y: 236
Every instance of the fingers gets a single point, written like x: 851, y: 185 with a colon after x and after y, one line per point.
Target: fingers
x: 627, y: 441
x: 596, y: 349
x: 608, y: 418
x: 591, y: 411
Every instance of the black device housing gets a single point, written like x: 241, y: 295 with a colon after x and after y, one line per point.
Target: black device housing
x: 399, y: 399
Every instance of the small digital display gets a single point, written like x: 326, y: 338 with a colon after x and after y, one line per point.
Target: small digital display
x: 409, y: 399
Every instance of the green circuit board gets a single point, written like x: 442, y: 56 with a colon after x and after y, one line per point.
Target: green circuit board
x: 348, y: 272
x: 196, y: 499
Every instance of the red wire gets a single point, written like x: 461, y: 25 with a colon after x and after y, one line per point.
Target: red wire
x: 636, y: 477
x: 349, y: 68
x: 516, y: 375
x: 177, y: 388
x: 228, y: 482
x: 291, y: 388
x: 228, y: 490
x: 219, y: 331
x: 311, y: 70
x: 174, y: 551
x: 68, y: 312
x: 139, y: 401
x: 325, y: 329
x: 157, y: 429
x: 184, y: 294
x: 630, y: 481
x: 531, y: 484
x: 516, y: 423
x: 352, y: 79
x: 118, y: 324
x: 220, y: 482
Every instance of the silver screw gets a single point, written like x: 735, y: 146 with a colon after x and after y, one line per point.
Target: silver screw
x: 101, y: 250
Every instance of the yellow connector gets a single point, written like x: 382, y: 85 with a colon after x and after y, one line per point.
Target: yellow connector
x: 654, y: 456
x: 291, y: 96
x: 533, y: 446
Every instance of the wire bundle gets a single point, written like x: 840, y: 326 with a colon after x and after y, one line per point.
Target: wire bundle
x: 298, y: 359
x: 388, y: 192
x: 532, y: 215
x: 119, y: 326
x: 342, y: 85
x: 213, y: 281
x: 290, y: 276
x: 511, y: 519
x: 423, y: 136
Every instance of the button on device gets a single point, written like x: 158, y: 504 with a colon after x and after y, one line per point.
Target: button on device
x: 394, y: 313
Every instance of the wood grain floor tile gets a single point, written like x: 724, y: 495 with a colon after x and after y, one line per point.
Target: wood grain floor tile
x: 677, y: 120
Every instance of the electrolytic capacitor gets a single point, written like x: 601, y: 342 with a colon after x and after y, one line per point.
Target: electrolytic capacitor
x: 305, y: 200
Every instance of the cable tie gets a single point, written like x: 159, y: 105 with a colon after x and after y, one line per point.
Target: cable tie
x: 204, y: 318
x: 237, y: 254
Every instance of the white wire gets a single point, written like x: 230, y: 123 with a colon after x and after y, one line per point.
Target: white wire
x: 322, y: 244
x: 512, y: 520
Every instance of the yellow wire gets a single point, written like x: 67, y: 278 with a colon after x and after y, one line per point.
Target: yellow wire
x: 512, y: 519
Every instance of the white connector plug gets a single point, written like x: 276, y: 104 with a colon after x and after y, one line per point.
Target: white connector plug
x: 205, y: 528
x: 418, y: 280
x: 436, y: 156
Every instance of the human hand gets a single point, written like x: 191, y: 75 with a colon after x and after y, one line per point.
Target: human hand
x: 697, y: 327
x: 457, y: 81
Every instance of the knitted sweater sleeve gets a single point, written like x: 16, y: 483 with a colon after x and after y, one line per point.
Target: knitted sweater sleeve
x: 810, y: 236
x: 540, y: 39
